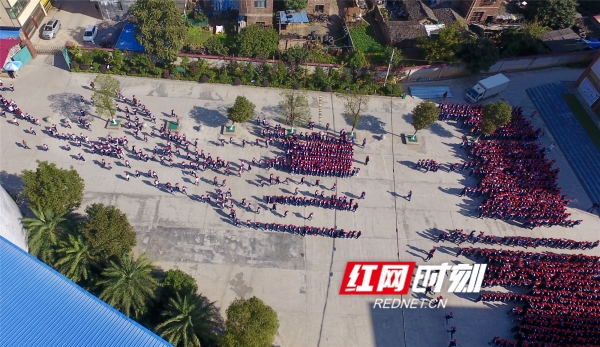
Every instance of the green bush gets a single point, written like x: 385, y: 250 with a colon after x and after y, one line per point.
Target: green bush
x: 85, y: 58
x: 393, y: 89
x: 100, y: 57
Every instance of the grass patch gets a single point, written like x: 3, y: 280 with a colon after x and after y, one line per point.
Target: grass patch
x: 365, y: 40
x: 584, y: 118
x: 196, y: 36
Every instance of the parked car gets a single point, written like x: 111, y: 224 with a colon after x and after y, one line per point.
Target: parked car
x: 90, y: 33
x: 51, y: 29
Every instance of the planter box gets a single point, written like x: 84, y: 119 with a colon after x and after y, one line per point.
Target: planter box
x: 352, y: 135
x: 412, y: 140
x: 171, y: 125
x: 230, y: 130
x: 113, y: 126
x: 291, y: 131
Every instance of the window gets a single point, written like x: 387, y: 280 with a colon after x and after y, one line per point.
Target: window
x: 260, y: 3
x: 17, y: 8
x: 319, y: 8
x: 477, y: 17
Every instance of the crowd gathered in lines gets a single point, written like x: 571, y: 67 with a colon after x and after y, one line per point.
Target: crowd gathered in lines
x: 517, y: 181
x: 329, y: 156
x: 459, y: 236
x: 342, y: 203
x: 427, y: 165
x: 562, y: 307
x: 319, y: 155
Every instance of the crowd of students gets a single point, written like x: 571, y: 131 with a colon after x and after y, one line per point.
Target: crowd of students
x: 319, y: 155
x: 459, y: 236
x: 342, y: 203
x: 517, y: 181
x: 562, y: 307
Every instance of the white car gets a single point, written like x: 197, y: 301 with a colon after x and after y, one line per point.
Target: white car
x: 90, y: 33
x: 50, y: 29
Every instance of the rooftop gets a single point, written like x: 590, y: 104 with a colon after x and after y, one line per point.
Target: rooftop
x: 293, y: 17
x: 41, y: 307
x: 405, y: 30
x: 564, y: 40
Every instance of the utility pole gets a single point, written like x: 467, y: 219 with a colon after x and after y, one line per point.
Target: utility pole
x: 389, y: 66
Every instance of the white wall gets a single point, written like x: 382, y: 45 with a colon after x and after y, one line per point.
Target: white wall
x: 11, y: 227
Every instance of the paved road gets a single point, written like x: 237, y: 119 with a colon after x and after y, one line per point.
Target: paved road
x: 299, y: 277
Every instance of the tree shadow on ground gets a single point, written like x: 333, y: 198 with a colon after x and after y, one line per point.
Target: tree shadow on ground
x: 67, y: 105
x: 369, y: 123
x: 209, y: 117
x: 439, y: 130
x: 12, y: 183
x: 270, y: 112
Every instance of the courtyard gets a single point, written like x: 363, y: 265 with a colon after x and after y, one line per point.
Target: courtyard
x: 299, y: 277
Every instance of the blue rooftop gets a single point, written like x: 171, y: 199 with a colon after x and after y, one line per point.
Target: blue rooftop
x: 293, y: 17
x: 9, y: 33
x: 41, y: 307
x: 127, y: 40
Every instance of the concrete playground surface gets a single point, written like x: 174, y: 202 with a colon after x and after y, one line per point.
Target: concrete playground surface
x: 298, y: 276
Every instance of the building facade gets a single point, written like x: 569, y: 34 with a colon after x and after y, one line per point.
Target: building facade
x: 318, y: 7
x: 478, y: 11
x: 26, y: 14
x: 257, y: 12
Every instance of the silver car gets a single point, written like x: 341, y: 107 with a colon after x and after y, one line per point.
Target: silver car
x: 50, y: 29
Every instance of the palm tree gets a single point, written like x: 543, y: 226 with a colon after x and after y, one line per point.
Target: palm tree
x: 76, y: 258
x: 44, y: 231
x: 191, y: 319
x: 128, y: 285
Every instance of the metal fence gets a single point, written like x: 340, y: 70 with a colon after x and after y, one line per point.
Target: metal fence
x: 43, y: 49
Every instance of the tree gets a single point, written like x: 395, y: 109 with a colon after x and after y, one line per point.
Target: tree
x: 44, y: 231
x: 128, y: 285
x: 295, y: 56
x: 295, y: 5
x: 250, y: 323
x: 105, y: 87
x: 495, y: 114
x: 257, y: 42
x: 396, y: 58
x: 479, y: 54
x: 515, y: 43
x: 557, y: 14
x: 424, y: 114
x: 117, y: 61
x: 176, y: 282
x: 191, y: 320
x: 356, y: 62
x: 294, y: 106
x: 76, y: 258
x: 52, y: 188
x: 282, y: 72
x: 445, y: 47
x: 108, y: 231
x: 355, y: 103
x: 160, y: 27
x: 242, y: 110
